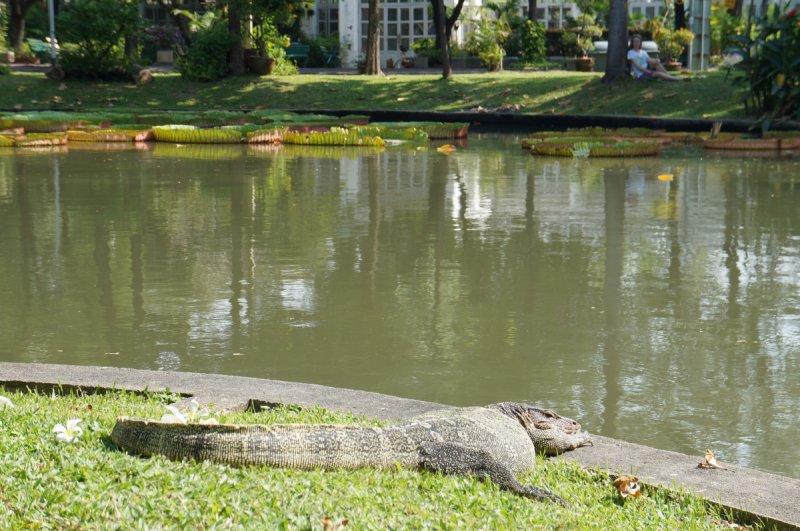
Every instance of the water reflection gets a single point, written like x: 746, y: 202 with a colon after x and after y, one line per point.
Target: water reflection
x: 660, y: 312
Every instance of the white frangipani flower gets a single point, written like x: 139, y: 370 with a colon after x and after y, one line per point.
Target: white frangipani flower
x: 5, y: 402
x: 68, y: 434
x: 194, y: 415
x: 176, y: 416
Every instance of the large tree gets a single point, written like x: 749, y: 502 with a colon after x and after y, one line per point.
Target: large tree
x: 372, y: 61
x: 16, y: 23
x: 235, y: 27
x: 532, y: 9
x: 442, y: 36
x: 617, y: 58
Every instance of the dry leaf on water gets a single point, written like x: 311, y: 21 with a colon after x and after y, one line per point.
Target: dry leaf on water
x: 328, y: 525
x: 628, y: 485
x: 665, y: 177
x: 446, y: 149
x: 711, y: 461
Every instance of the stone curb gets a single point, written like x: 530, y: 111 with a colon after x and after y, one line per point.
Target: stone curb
x: 504, y: 121
x: 749, y: 495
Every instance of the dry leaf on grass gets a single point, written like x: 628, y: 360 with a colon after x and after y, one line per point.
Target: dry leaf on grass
x: 639, y: 113
x: 259, y: 107
x: 648, y: 97
x: 57, y: 99
x: 564, y: 102
x: 447, y: 149
x: 62, y: 86
x: 711, y: 461
x: 671, y: 94
x: 592, y: 89
x: 18, y: 106
x: 328, y: 525
x: 587, y: 81
x: 607, y: 97
x: 628, y: 485
x: 243, y: 107
x: 505, y: 90
x: 493, y: 82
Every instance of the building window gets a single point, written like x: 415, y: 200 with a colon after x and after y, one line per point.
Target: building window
x: 327, y: 17
x: 650, y: 12
x: 400, y: 24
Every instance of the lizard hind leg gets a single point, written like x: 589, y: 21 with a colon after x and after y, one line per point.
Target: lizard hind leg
x: 460, y: 460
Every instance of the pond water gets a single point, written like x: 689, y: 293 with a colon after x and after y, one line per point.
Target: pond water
x: 661, y: 312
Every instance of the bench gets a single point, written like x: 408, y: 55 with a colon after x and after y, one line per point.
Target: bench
x: 40, y: 49
x: 331, y: 56
x: 298, y: 51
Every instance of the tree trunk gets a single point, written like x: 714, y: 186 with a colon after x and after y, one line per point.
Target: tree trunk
x: 532, y: 8
x: 443, y: 38
x: 617, y: 58
x: 372, y: 62
x: 132, y: 47
x: 16, y: 23
x: 451, y: 21
x: 680, y: 16
x: 237, y: 52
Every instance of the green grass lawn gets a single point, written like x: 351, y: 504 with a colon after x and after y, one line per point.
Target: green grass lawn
x: 90, y: 484
x: 540, y: 92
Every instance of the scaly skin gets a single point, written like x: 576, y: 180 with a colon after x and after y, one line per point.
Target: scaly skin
x: 496, y: 442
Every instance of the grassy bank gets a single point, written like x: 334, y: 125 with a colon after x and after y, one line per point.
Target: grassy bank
x: 540, y: 92
x: 90, y: 484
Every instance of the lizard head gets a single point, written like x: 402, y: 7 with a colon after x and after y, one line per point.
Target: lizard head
x: 536, y: 418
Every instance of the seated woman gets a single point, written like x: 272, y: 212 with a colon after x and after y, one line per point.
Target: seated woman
x: 645, y: 68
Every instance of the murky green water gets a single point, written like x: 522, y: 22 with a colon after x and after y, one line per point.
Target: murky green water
x: 665, y: 313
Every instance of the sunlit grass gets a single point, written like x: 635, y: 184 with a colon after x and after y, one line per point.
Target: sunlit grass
x: 90, y: 484
x: 539, y: 92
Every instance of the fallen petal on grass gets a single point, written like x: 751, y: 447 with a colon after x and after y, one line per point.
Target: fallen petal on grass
x: 68, y: 433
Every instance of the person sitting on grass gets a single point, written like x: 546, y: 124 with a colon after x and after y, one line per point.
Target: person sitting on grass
x: 644, y: 67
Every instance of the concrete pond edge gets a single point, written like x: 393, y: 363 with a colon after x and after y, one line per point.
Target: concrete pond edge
x: 747, y: 495
x: 505, y: 121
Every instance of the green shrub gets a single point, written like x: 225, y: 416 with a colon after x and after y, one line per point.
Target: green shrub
x: 770, y: 68
x: 96, y: 28
x: 527, y: 41
x: 427, y: 48
x: 206, y: 60
x: 284, y: 67
x: 724, y: 29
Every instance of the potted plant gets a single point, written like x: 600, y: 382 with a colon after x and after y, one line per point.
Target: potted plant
x: 165, y: 38
x: 670, y: 46
x: 269, y: 46
x: 583, y: 29
x: 487, y: 41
